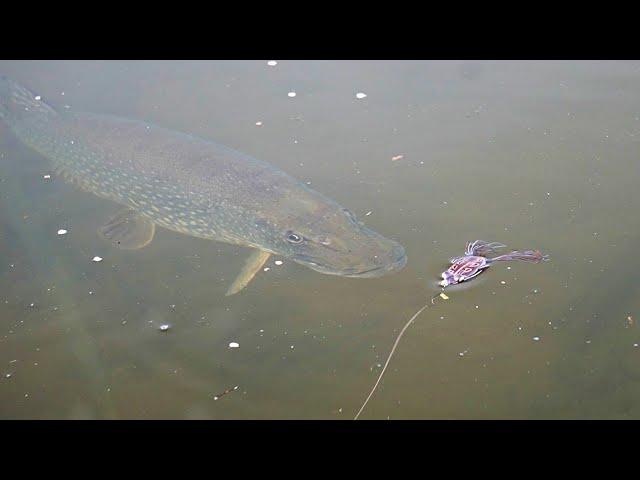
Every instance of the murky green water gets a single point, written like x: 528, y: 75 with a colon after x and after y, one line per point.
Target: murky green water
x: 531, y: 154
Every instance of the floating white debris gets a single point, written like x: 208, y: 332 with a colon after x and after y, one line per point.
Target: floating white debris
x: 461, y: 354
x: 272, y: 63
x: 635, y: 344
x: 38, y: 97
x: 165, y: 327
x: 266, y: 269
x: 361, y: 95
x: 395, y: 158
x: 278, y: 262
x: 536, y: 339
x: 291, y: 94
x: 62, y: 231
x: 258, y: 124
x: 234, y: 345
x: 368, y: 213
x: 291, y: 347
x: 97, y: 259
x: 46, y: 177
x: 502, y: 282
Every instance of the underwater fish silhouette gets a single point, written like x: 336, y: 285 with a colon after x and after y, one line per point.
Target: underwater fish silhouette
x: 196, y: 187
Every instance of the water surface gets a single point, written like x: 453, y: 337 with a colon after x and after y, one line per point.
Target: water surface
x: 531, y: 154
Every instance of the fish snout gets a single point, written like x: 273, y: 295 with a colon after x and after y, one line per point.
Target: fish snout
x: 392, y: 260
x: 398, y: 258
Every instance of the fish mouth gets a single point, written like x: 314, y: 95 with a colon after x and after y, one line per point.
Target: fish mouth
x: 398, y: 263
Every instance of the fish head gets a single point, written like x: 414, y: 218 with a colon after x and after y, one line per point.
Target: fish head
x: 322, y: 235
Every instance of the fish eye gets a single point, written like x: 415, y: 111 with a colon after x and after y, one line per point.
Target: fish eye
x: 293, y: 237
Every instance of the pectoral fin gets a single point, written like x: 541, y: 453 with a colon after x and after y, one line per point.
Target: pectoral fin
x: 128, y: 230
x: 254, y: 263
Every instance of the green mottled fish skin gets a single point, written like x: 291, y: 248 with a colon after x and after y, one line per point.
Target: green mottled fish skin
x: 194, y: 186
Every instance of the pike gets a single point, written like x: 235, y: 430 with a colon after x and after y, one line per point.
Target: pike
x: 196, y: 187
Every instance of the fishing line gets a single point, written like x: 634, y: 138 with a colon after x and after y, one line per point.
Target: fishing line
x: 393, y: 349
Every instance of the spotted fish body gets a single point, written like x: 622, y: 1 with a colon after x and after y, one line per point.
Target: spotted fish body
x: 164, y: 175
x: 170, y: 182
x: 198, y: 187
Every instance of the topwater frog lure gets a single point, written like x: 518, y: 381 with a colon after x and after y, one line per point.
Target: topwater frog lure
x: 474, y: 261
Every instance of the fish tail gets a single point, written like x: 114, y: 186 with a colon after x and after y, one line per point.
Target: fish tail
x: 17, y: 102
